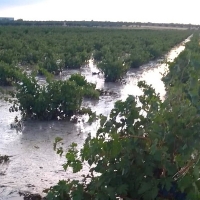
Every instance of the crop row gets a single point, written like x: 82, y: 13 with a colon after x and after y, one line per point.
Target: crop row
x: 56, y: 48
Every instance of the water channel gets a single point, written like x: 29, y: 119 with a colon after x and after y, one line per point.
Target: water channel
x: 33, y: 164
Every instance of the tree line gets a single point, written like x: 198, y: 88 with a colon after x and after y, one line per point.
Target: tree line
x: 105, y: 24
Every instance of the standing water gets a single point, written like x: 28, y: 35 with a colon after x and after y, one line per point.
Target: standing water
x: 33, y: 164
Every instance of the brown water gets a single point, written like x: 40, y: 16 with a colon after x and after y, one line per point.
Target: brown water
x: 34, y: 165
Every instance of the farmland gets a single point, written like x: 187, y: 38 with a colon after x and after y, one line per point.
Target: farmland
x: 31, y: 54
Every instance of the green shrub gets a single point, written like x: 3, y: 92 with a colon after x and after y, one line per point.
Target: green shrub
x: 54, y: 100
x: 113, y: 70
x: 8, y: 74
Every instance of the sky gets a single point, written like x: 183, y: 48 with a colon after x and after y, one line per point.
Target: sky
x: 159, y: 11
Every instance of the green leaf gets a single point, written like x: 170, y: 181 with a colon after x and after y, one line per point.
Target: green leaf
x: 122, y: 189
x: 153, y: 193
x: 196, y: 172
x: 144, y: 188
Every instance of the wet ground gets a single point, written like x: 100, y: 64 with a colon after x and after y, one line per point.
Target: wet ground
x: 33, y: 164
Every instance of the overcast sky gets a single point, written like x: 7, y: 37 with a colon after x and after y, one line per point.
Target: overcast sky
x: 166, y: 11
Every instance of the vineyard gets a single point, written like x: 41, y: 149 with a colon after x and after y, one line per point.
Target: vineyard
x: 134, y: 155
x: 151, y: 157
x: 50, y: 50
x: 55, y: 49
x: 137, y: 157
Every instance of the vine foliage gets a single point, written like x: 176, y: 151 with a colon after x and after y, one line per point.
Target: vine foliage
x: 56, y: 48
x: 54, y: 100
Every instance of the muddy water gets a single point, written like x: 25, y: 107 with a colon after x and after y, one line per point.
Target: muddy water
x: 33, y: 164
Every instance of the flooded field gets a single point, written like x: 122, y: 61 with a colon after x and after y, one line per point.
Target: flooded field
x: 33, y: 164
